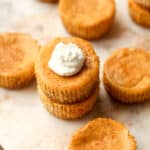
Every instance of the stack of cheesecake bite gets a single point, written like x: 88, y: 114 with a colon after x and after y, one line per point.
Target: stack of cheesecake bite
x: 67, y: 72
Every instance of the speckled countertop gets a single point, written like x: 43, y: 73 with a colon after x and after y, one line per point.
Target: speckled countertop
x: 24, y: 123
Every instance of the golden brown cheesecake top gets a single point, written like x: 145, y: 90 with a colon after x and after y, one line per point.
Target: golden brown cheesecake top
x: 129, y: 68
x: 87, y: 12
x: 16, y: 52
x: 102, y: 134
x: 140, y: 6
x: 87, y: 73
x: 144, y: 3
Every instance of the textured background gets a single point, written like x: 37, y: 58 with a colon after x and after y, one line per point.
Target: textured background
x: 24, y: 123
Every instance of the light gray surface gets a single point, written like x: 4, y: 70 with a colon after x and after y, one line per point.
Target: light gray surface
x: 24, y: 123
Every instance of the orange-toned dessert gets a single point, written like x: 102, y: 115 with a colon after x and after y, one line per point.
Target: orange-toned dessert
x: 127, y: 75
x: 89, y: 19
x: 17, y: 56
x: 49, y: 1
x: 72, y: 111
x: 61, y: 87
x: 145, y: 3
x: 102, y: 134
x: 139, y: 14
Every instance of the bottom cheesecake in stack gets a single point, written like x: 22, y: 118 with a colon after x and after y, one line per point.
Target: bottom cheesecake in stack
x: 69, y: 111
x: 67, y: 72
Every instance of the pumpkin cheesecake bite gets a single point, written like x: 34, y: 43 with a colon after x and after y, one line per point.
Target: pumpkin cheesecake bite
x: 145, y: 3
x: 49, y: 1
x: 102, y: 134
x: 72, y: 111
x: 89, y: 19
x: 127, y: 75
x: 17, y: 57
x: 67, y: 70
x: 139, y: 13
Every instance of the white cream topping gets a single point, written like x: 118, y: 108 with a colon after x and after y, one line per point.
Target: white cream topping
x: 66, y: 59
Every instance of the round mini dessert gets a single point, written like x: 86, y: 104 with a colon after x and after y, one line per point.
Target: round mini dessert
x: 139, y: 13
x: 102, y: 134
x: 145, y: 3
x: 72, y: 111
x: 127, y: 75
x: 67, y: 89
x: 17, y: 56
x: 49, y: 1
x: 89, y: 19
x: 1, y: 148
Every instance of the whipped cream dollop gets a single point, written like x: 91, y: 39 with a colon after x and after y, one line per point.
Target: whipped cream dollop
x: 66, y: 59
